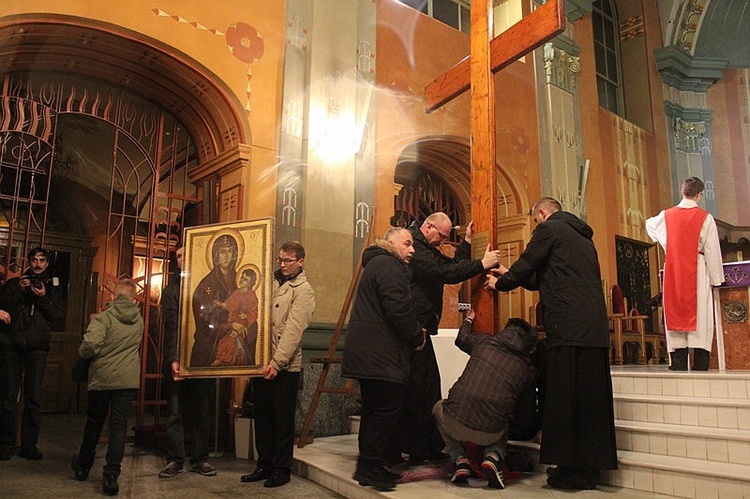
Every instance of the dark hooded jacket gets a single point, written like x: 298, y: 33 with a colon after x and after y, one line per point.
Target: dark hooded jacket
x: 31, y: 316
x: 561, y: 262
x: 431, y: 270
x: 383, y: 328
x: 499, y: 371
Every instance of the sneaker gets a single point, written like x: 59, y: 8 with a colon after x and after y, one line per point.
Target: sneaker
x: 461, y: 470
x: 31, y: 453
x: 493, y: 469
x: 204, y: 469
x: 173, y: 468
x: 82, y: 472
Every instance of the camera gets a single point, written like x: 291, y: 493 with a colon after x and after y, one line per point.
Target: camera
x: 36, y: 281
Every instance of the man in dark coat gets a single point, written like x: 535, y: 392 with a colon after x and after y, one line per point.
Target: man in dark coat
x: 188, y: 396
x: 30, y: 305
x: 561, y: 262
x: 382, y: 332
x: 480, y: 404
x: 416, y: 433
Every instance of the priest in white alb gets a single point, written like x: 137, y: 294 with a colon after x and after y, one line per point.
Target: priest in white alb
x: 692, y: 267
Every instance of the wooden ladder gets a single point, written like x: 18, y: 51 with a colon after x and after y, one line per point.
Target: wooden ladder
x: 330, y: 358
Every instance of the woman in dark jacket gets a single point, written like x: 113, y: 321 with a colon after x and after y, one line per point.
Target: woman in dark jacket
x: 383, y: 331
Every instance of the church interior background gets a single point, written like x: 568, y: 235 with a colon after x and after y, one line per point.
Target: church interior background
x: 121, y: 126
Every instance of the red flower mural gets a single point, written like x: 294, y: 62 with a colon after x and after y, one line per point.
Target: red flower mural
x: 245, y: 42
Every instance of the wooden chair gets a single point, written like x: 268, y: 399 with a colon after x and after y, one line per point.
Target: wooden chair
x: 626, y: 328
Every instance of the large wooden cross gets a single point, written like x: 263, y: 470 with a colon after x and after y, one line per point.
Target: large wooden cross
x: 475, y: 71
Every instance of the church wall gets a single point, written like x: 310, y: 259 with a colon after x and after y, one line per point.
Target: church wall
x: 600, y: 188
x: 412, y: 51
x: 729, y: 104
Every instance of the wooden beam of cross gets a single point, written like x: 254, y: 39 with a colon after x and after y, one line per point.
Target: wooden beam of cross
x: 476, y: 72
x: 530, y: 32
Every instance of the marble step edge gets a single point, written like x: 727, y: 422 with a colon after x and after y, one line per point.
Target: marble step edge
x: 629, y: 372
x: 685, y: 465
x: 672, y: 429
x: 683, y: 400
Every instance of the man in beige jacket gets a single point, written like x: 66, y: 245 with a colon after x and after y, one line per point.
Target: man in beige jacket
x: 275, y: 394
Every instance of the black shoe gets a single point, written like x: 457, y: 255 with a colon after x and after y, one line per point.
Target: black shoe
x: 31, y: 453
x: 6, y: 453
x: 82, y: 472
x: 574, y: 481
x: 559, y: 471
x: 109, y: 485
x: 257, y: 475
x: 493, y: 469
x: 277, y: 479
x: 377, y: 477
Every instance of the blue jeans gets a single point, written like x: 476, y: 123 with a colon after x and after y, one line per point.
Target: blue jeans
x: 117, y: 403
x: 18, y: 365
x: 191, y: 396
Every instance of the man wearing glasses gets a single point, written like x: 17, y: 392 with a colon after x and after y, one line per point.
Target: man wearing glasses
x: 416, y: 433
x: 275, y: 394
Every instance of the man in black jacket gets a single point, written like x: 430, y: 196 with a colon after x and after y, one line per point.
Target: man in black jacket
x: 561, y: 262
x: 33, y: 304
x: 190, y: 396
x: 416, y: 433
x: 383, y: 331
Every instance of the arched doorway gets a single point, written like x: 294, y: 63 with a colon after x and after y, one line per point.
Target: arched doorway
x: 162, y: 113
x: 433, y: 174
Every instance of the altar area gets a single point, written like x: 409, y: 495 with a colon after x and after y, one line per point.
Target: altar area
x: 731, y: 304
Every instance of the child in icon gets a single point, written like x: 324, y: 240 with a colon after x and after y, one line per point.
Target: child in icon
x: 238, y: 335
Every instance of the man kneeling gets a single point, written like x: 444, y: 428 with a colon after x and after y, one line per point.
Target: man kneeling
x: 480, y: 404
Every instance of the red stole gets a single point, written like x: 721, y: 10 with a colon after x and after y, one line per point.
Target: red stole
x: 681, y: 267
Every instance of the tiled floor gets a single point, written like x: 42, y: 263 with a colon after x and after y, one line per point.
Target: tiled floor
x: 329, y: 461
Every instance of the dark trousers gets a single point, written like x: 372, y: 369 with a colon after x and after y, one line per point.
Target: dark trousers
x: 26, y: 365
x: 117, y: 404
x: 275, y: 403
x: 416, y: 433
x: 191, y: 397
x: 382, y: 402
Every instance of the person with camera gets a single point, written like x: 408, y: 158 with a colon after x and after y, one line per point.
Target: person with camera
x: 33, y: 305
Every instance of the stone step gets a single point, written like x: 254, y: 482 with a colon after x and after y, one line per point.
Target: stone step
x: 731, y: 414
x: 710, y: 445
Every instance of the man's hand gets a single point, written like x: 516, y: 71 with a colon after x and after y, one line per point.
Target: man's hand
x: 469, y: 232
x: 176, y: 371
x: 270, y: 372
x: 424, y: 341
x: 470, y: 314
x: 491, y: 258
x: 39, y: 291
x: 4, y: 316
x: 492, y: 276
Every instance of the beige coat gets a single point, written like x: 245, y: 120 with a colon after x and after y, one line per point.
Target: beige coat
x: 292, y: 307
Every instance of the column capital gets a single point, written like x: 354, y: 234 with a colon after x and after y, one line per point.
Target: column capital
x: 680, y: 70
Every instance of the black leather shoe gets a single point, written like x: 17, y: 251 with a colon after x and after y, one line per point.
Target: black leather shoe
x: 31, y: 453
x: 377, y: 477
x: 82, y: 473
x: 109, y: 485
x: 257, y: 475
x: 277, y: 479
